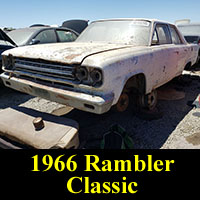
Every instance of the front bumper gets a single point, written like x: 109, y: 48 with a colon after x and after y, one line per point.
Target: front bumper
x: 79, y: 100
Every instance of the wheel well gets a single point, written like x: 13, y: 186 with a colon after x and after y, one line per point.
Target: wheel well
x: 136, y: 83
x: 188, y: 66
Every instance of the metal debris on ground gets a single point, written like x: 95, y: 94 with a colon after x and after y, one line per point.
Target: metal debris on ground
x: 38, y: 130
x: 170, y: 94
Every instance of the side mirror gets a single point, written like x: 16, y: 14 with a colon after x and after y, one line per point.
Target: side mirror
x: 34, y: 41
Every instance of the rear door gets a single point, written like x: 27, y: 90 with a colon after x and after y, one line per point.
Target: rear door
x: 164, y: 55
x: 181, y: 49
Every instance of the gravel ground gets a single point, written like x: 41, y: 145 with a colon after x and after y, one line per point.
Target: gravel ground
x: 178, y: 124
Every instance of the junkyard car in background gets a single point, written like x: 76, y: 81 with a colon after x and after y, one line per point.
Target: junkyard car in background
x: 34, y: 35
x: 5, y: 44
x: 109, y: 63
x: 42, y: 35
x: 191, y: 32
x: 77, y: 25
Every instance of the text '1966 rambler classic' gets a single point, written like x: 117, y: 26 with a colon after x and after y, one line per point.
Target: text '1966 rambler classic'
x: 108, y: 63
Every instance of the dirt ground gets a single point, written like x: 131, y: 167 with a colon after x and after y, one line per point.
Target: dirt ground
x: 175, y: 124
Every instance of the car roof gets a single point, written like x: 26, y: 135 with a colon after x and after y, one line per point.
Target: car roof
x: 134, y: 19
x: 190, y: 24
x: 36, y: 29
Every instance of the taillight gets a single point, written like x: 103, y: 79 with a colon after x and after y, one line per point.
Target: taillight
x: 199, y: 42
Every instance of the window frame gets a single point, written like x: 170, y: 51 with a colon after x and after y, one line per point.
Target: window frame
x: 58, y: 38
x: 50, y: 29
x: 177, y: 32
x: 155, y: 30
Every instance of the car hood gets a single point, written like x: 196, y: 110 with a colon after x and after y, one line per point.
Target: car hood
x: 76, y: 25
x: 71, y: 53
x: 6, y: 38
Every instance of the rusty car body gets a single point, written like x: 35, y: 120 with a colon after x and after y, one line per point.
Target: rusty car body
x: 109, y: 61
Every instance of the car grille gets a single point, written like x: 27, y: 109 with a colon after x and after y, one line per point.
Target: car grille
x: 44, y: 70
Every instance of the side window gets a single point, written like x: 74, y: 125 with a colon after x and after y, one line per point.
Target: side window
x: 66, y: 36
x: 175, y: 37
x: 46, y: 36
x: 161, y: 35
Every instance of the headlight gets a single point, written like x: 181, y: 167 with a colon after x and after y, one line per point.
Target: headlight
x: 81, y: 73
x: 89, y: 76
x: 96, y: 76
x: 7, y: 61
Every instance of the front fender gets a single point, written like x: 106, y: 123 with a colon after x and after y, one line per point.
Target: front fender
x: 118, y: 82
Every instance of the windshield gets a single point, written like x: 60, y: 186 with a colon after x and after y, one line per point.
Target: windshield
x: 126, y: 32
x: 190, y: 29
x: 21, y: 36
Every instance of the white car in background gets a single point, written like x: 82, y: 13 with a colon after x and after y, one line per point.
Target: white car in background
x: 191, y: 32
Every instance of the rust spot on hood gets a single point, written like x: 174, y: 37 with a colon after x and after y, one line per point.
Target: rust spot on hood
x: 72, y: 56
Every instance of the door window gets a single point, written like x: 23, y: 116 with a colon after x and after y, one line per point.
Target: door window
x: 161, y: 35
x: 66, y: 36
x: 46, y: 36
x: 175, y: 37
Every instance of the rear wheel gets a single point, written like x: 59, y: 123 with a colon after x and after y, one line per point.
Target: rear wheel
x: 148, y: 101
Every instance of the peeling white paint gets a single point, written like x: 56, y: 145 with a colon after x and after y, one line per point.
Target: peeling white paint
x: 118, y: 62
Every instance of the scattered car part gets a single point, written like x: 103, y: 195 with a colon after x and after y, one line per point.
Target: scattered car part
x: 38, y: 123
x: 58, y: 132
x: 170, y: 94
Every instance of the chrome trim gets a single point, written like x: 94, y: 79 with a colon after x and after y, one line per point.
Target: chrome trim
x: 46, y: 70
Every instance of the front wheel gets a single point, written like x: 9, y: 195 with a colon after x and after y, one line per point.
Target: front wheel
x: 148, y: 101
x: 122, y: 103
